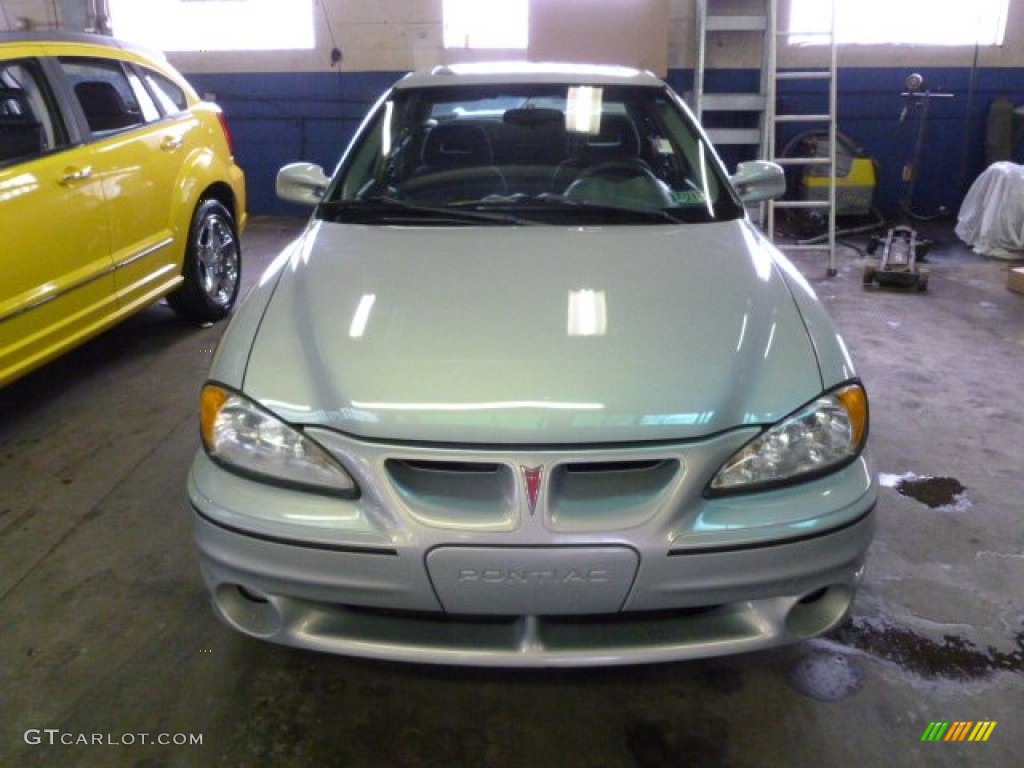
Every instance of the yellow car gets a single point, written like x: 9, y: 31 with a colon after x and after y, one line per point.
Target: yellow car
x: 118, y: 187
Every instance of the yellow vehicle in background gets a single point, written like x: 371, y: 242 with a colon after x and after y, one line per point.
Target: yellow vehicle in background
x: 118, y: 187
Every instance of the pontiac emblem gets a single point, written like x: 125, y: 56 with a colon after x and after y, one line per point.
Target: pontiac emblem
x: 533, y: 476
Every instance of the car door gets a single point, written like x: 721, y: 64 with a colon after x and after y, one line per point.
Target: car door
x: 56, y: 274
x: 138, y: 155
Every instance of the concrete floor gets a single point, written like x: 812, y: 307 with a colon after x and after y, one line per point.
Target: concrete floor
x: 107, y: 635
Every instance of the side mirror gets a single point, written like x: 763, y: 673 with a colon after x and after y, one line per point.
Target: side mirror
x: 758, y: 180
x: 302, y: 183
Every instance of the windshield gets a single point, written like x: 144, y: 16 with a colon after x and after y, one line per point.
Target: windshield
x: 530, y: 154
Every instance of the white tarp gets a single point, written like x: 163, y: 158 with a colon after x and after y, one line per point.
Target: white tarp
x: 991, y: 218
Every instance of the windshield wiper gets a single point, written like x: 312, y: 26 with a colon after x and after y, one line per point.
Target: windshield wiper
x: 547, y: 201
x: 388, y: 206
x: 618, y: 210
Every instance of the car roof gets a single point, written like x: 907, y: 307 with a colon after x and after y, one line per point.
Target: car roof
x: 46, y: 37
x: 502, y: 73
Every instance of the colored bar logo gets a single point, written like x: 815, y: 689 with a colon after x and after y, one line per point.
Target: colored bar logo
x: 959, y: 730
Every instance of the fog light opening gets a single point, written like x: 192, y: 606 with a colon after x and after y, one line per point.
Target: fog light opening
x: 819, y: 611
x: 813, y: 597
x: 251, y: 596
x: 247, y: 610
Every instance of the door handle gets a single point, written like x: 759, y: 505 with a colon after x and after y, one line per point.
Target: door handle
x: 171, y: 143
x: 71, y: 175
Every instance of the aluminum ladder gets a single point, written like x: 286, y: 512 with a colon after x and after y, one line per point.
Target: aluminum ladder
x: 733, y: 25
x: 824, y: 120
x: 721, y: 22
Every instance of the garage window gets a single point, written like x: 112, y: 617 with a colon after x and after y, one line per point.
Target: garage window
x: 494, y: 24
x: 907, y: 22
x: 215, y: 25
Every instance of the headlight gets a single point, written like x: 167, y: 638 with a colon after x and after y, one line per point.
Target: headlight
x: 244, y: 437
x: 819, y: 438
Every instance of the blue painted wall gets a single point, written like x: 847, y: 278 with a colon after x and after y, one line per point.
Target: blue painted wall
x: 283, y: 117
x: 953, y: 146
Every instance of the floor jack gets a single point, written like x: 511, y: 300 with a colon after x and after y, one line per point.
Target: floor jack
x: 901, y: 250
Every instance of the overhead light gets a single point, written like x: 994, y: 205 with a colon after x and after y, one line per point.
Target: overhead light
x: 583, y: 109
x: 361, y: 316
x: 588, y: 313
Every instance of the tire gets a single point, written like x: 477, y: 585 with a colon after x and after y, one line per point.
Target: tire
x: 212, y: 267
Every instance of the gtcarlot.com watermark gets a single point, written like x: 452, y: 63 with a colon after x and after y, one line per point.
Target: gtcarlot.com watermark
x: 56, y: 737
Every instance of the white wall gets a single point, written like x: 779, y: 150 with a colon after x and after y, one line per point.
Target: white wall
x: 395, y: 35
x: 390, y: 35
x: 35, y: 13
x: 682, y: 43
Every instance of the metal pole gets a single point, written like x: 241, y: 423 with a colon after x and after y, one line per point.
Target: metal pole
x: 833, y: 109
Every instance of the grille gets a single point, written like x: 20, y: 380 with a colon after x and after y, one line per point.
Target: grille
x: 608, y: 495
x: 577, y: 496
x: 456, y: 494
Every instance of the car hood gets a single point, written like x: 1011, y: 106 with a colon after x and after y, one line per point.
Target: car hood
x: 531, y: 335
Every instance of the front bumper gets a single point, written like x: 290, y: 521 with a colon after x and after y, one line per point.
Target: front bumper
x: 394, y: 575
x: 743, y: 600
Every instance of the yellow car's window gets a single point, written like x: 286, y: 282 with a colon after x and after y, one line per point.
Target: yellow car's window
x: 170, y: 96
x: 29, y: 124
x: 146, y: 103
x: 105, y: 94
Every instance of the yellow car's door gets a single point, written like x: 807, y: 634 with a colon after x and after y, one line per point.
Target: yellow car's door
x: 56, y: 274
x: 138, y: 156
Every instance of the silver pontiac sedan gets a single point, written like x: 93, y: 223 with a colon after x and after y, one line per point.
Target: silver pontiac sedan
x: 531, y: 390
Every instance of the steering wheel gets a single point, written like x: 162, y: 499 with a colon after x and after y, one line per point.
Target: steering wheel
x: 622, y: 183
x: 618, y: 170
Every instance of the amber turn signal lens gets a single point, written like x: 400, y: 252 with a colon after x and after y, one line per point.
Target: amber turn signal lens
x: 211, y: 401
x: 855, y: 400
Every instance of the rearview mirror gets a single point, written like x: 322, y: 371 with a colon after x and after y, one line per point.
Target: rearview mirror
x: 302, y: 183
x: 758, y: 180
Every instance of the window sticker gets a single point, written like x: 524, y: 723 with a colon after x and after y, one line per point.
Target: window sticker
x: 688, y: 197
